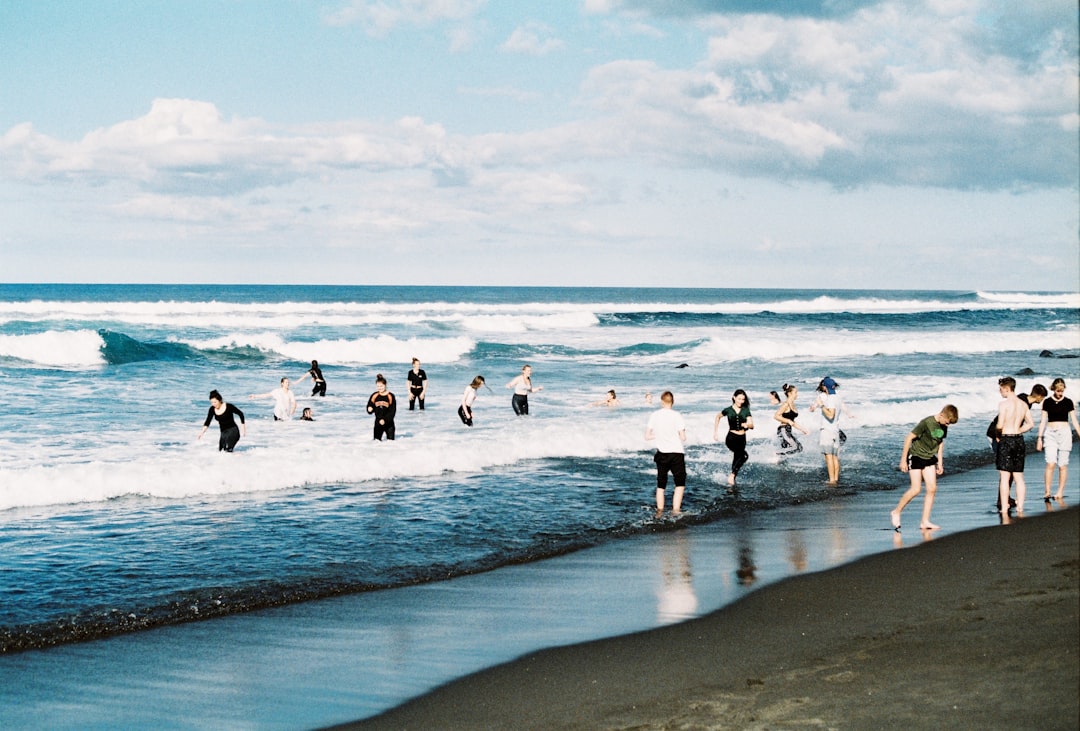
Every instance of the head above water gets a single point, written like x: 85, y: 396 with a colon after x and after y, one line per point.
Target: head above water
x: 828, y: 385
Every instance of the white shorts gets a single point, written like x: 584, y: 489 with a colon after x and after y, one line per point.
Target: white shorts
x: 1057, y: 443
x: 830, y: 442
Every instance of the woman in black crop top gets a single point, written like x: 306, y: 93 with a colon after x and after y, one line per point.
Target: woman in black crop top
x: 1055, y: 438
x: 224, y: 414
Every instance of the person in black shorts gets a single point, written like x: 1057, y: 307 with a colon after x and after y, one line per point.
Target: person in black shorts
x: 318, y: 387
x: 384, y: 406
x: 1014, y: 418
x: 417, y: 384
x: 923, y: 458
x: 225, y: 415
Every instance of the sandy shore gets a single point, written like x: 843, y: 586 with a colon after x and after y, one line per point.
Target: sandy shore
x: 979, y: 629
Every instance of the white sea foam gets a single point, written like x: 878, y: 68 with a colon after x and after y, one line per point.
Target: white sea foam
x: 379, y: 349
x: 75, y: 348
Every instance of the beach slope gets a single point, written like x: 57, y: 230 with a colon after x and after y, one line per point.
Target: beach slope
x: 973, y: 630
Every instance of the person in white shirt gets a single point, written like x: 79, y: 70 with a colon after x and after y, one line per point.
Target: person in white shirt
x: 284, y: 401
x: 667, y: 428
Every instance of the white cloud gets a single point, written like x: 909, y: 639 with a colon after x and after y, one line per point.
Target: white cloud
x: 380, y: 17
x: 534, y: 39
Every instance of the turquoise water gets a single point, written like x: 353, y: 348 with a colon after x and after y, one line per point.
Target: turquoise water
x: 114, y: 518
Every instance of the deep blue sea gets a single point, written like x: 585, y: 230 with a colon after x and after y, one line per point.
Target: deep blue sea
x: 113, y: 517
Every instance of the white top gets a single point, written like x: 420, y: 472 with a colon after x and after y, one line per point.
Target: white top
x: 468, y: 397
x: 836, y: 404
x: 665, y: 424
x: 284, y: 403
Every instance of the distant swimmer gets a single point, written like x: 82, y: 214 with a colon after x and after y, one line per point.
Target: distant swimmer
x: 318, y: 387
x: 465, y: 411
x: 923, y: 458
x: 1055, y: 439
x: 417, y: 384
x: 830, y: 437
x: 523, y: 386
x: 307, y: 415
x: 384, y: 406
x: 667, y: 428
x: 226, y: 415
x: 610, y: 400
x: 1014, y: 418
x: 786, y: 414
x: 284, y: 400
x: 739, y: 421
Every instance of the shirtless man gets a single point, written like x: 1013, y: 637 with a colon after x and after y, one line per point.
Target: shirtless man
x: 1014, y: 418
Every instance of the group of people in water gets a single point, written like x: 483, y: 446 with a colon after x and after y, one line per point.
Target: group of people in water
x: 922, y: 455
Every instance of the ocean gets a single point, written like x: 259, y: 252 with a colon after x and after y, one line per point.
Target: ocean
x: 114, y: 518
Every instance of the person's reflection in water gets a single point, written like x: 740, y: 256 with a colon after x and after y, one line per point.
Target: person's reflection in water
x: 746, y: 573
x: 675, y: 598
x: 796, y: 551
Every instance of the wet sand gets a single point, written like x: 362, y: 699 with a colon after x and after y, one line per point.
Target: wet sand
x: 979, y: 629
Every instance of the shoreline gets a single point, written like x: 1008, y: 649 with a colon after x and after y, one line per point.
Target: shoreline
x: 978, y: 629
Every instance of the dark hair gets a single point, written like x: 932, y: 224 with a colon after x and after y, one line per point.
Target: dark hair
x: 314, y: 364
x: 215, y: 395
x: 788, y: 388
x: 1038, y: 390
x: 737, y: 392
x: 379, y: 378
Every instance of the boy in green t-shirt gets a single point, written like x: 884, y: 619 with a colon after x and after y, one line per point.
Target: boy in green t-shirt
x: 923, y: 458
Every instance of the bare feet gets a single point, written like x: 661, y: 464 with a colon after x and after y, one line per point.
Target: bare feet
x: 895, y: 517
x: 929, y: 526
x: 731, y: 479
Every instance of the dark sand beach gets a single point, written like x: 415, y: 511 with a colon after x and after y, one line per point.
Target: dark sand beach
x: 975, y: 630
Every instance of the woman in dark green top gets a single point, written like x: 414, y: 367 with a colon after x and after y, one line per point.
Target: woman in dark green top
x: 739, y: 422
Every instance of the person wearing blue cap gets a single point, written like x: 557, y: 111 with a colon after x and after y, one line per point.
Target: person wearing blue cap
x: 831, y: 405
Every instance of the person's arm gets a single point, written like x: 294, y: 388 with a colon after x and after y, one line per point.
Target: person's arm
x: 749, y: 423
x: 779, y: 415
x: 682, y: 434
x: 243, y: 424
x: 716, y: 426
x: 301, y: 378
x: 941, y: 458
x: 292, y: 404
x: 513, y: 381
x: 1075, y: 423
x: 391, y: 411
x: 423, y: 387
x: 904, y: 452
x: 206, y: 424
x: 1042, y: 429
x: 1028, y: 423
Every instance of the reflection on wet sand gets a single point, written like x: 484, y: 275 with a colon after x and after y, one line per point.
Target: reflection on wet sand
x: 676, y: 600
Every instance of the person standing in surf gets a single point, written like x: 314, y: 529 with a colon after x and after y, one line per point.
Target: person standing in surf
x: 226, y: 415
x: 830, y: 436
x: 739, y: 422
x: 923, y: 458
x: 465, y: 410
x: 523, y: 386
x: 786, y: 414
x: 1014, y: 418
x: 384, y: 406
x: 667, y: 428
x: 417, y: 384
x: 318, y: 383
x: 1055, y: 439
x: 284, y: 400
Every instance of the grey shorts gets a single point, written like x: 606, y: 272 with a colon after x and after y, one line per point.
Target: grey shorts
x: 830, y: 443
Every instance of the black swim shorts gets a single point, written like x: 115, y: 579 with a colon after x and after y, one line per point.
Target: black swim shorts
x: 675, y: 462
x: 918, y: 463
x: 1010, y: 453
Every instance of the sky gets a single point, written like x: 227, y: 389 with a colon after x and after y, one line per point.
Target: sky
x: 826, y: 144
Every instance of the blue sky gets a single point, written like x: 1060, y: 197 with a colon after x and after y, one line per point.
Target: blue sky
x: 908, y: 144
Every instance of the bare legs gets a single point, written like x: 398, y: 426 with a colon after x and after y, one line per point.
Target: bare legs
x: 832, y: 466
x: 1003, y: 491
x: 929, y: 474
x: 1063, y: 471
x: 676, y: 500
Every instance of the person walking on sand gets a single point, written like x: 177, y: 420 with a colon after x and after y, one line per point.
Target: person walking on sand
x: 739, y: 422
x: 1014, y: 418
x: 786, y: 414
x: 284, y: 400
x: 384, y: 406
x: 831, y: 406
x: 318, y: 383
x: 226, y: 415
x: 1055, y: 439
x: 417, y: 384
x: 465, y: 410
x: 667, y: 428
x: 923, y: 458
x: 523, y: 386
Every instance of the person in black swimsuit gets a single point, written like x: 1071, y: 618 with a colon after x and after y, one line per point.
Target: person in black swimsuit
x: 318, y: 387
x: 417, y: 384
x: 786, y: 415
x: 224, y: 413
x: 384, y: 406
